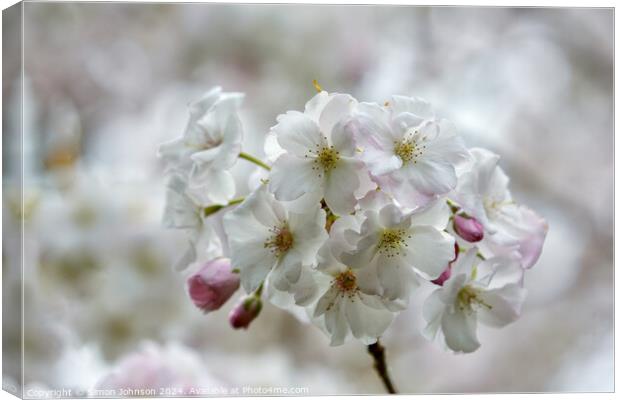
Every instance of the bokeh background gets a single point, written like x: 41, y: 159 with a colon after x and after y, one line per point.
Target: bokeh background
x: 105, y: 83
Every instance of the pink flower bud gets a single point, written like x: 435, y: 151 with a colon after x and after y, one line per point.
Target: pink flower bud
x: 445, y: 275
x: 468, y: 228
x: 213, y: 284
x: 248, y: 308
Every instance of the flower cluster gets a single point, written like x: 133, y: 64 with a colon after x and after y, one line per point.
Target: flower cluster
x: 362, y: 204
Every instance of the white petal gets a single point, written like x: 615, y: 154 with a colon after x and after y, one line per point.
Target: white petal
x: 429, y: 250
x: 502, y: 306
x: 336, y: 110
x: 432, y: 311
x: 341, y: 184
x: 326, y: 301
x: 367, y: 323
x: 315, y: 105
x: 297, y: 133
x: 209, y: 186
x: 431, y: 177
x: 254, y: 263
x: 265, y: 208
x: 342, y: 139
x: 435, y: 214
x: 397, y: 280
x: 459, y: 330
x: 336, y: 324
x: 412, y: 105
x: 291, y: 177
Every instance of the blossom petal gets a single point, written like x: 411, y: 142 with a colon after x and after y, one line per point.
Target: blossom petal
x: 501, y: 306
x: 367, y: 323
x: 208, y: 186
x: 336, y: 110
x: 341, y: 184
x: 291, y: 177
x: 429, y: 250
x: 459, y: 329
x: 297, y: 133
x: 432, y: 311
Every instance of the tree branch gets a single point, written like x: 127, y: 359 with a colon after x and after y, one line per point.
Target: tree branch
x: 377, y: 351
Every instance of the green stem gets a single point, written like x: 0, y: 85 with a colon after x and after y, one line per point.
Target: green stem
x: 254, y: 160
x: 217, y: 207
x: 259, y: 290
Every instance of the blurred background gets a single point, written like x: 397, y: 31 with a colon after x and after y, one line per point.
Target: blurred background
x: 106, y: 83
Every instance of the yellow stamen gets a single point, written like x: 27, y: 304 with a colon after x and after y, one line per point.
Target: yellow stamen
x: 316, y: 85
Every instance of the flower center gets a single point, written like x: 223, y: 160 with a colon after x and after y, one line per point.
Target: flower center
x: 408, y: 149
x: 468, y: 297
x: 493, y: 207
x: 281, y: 240
x: 346, y: 281
x: 392, y: 241
x: 326, y: 159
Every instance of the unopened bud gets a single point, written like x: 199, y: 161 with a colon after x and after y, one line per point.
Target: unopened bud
x: 244, y: 313
x: 468, y: 228
x: 213, y: 284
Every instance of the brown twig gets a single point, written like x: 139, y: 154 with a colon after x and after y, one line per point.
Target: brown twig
x: 377, y: 351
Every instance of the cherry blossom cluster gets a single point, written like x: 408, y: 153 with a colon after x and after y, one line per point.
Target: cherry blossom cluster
x: 356, y: 207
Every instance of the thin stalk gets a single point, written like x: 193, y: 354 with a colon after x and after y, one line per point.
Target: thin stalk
x: 217, y: 207
x: 254, y: 160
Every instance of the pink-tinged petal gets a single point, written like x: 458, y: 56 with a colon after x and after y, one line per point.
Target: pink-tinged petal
x: 531, y: 243
x: 459, y: 329
x: 431, y: 177
x: 405, y: 193
x: 297, y: 133
x: 291, y: 177
x: 448, y: 146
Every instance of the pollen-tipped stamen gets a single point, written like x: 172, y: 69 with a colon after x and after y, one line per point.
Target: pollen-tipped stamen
x: 392, y: 242
x: 281, y: 241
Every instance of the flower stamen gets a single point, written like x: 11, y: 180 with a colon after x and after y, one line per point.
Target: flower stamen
x: 346, y: 281
x: 392, y: 242
x: 468, y: 298
x: 326, y: 159
x: 281, y: 241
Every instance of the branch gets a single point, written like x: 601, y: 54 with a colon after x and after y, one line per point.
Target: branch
x: 377, y: 351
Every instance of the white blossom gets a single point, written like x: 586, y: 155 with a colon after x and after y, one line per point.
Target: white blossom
x: 511, y: 229
x: 181, y: 212
x: 319, y: 155
x: 265, y: 237
x: 488, y: 292
x: 410, y: 154
x: 209, y: 147
x: 399, y: 246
